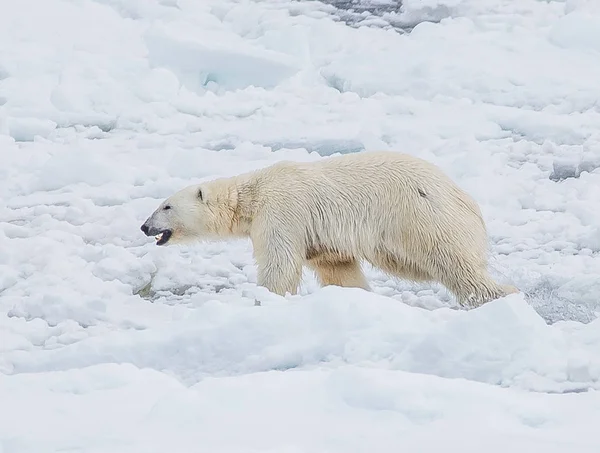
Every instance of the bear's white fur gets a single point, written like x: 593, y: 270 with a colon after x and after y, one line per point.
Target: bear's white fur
x: 395, y: 211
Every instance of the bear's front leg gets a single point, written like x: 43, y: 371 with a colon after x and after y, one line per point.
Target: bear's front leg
x: 279, y: 277
x: 279, y: 264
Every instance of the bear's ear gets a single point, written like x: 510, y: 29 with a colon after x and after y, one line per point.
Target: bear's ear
x: 200, y: 195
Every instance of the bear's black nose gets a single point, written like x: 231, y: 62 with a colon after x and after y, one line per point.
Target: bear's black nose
x: 145, y: 229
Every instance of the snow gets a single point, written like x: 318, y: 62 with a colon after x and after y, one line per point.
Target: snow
x: 578, y: 30
x: 111, y: 344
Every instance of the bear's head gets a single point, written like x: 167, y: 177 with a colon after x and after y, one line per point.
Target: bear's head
x: 197, y: 212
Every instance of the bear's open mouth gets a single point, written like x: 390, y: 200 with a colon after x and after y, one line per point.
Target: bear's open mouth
x: 163, y: 237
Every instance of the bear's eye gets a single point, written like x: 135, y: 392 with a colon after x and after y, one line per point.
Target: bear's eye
x: 167, y: 207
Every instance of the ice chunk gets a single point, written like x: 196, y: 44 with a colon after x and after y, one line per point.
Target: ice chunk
x: 231, y: 67
x: 322, y: 147
x: 577, y: 30
x: 26, y: 129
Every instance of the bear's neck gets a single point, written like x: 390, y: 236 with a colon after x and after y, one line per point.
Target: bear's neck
x: 244, y: 206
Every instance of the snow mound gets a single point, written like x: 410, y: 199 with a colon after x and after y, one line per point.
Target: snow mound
x: 503, y: 343
x: 140, y: 410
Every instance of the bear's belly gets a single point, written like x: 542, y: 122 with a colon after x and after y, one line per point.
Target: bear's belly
x: 327, y: 254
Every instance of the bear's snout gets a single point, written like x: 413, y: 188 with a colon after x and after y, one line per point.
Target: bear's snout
x: 149, y: 231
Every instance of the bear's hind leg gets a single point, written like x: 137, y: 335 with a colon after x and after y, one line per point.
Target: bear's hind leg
x: 471, y: 285
x: 486, y: 291
x: 340, y: 273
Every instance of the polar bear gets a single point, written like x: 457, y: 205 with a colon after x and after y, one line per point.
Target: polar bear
x: 398, y: 212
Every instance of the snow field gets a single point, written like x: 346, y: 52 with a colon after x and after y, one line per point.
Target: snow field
x: 110, y: 344
x: 349, y: 409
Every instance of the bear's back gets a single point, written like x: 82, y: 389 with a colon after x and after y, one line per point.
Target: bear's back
x: 367, y: 195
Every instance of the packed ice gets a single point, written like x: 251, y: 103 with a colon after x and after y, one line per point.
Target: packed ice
x: 109, y: 343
